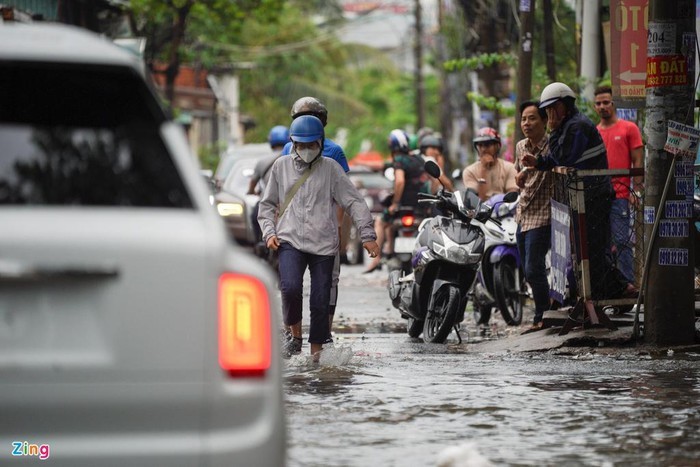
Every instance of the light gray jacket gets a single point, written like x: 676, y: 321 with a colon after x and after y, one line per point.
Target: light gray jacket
x: 310, y: 223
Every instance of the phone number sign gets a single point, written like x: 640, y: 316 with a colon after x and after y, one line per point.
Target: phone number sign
x: 669, y: 70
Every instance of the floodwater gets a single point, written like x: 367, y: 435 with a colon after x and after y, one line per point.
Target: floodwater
x: 383, y: 399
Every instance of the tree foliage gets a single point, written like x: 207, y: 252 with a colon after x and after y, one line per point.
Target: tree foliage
x: 173, y: 27
x: 282, y: 50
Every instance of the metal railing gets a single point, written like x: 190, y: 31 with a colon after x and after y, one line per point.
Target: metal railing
x: 595, y: 255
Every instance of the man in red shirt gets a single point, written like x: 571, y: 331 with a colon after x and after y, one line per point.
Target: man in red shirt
x: 623, y: 142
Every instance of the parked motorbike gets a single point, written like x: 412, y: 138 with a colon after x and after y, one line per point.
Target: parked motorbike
x: 501, y: 279
x: 445, y: 260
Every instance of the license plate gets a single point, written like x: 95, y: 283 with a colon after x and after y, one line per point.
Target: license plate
x: 404, y: 244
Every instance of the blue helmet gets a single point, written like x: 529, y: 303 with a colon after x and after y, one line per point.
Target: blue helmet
x: 305, y: 129
x: 398, y: 141
x: 278, y: 136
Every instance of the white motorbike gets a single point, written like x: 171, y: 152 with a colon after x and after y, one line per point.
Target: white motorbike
x: 501, y: 280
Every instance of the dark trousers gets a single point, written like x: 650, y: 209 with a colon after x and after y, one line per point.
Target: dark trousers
x: 533, y: 245
x: 292, y: 266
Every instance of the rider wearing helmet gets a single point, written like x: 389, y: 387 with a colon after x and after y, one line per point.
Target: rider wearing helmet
x: 277, y: 137
x: 410, y: 178
x: 312, y: 106
x: 431, y: 149
x: 490, y: 174
x: 305, y: 232
x: 409, y: 174
x: 574, y: 141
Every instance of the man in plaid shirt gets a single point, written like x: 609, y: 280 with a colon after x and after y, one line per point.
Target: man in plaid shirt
x: 534, y: 215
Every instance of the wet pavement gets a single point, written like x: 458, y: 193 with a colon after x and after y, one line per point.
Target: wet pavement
x: 588, y: 398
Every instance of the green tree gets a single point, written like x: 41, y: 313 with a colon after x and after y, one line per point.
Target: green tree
x: 283, y: 51
x: 173, y: 28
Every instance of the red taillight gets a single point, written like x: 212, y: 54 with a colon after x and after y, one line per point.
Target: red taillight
x: 407, y: 220
x: 244, y: 325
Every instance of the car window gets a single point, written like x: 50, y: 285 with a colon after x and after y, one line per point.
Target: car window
x: 81, y: 135
x: 239, y: 177
x: 224, y: 167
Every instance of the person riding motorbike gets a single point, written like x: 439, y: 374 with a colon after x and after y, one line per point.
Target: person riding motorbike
x: 489, y: 174
x: 431, y: 149
x: 410, y: 178
x: 277, y: 138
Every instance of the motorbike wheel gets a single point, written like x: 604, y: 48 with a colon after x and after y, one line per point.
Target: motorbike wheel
x: 440, y: 320
x: 414, y: 327
x: 482, y: 314
x: 510, y: 291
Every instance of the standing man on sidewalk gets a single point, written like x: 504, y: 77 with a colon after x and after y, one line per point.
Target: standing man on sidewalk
x: 623, y: 142
x: 575, y: 142
x: 534, y: 207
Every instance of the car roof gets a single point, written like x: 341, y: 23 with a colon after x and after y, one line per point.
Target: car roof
x: 58, y: 43
x: 234, y: 153
x: 248, y: 150
x: 239, y: 175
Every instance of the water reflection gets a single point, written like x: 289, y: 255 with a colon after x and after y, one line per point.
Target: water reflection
x: 399, y: 402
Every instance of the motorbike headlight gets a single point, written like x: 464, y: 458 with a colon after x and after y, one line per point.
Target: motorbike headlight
x: 456, y: 253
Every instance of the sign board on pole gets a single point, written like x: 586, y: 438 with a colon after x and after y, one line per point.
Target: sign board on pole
x: 560, y: 251
x: 629, y: 23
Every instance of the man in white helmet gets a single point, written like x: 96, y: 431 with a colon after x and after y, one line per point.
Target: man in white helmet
x: 575, y: 142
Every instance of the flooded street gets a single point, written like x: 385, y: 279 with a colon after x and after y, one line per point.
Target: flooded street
x: 381, y: 398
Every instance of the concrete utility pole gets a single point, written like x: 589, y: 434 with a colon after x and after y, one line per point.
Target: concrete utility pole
x: 590, y: 47
x: 445, y: 93
x: 420, y: 87
x: 527, y: 19
x: 669, y: 309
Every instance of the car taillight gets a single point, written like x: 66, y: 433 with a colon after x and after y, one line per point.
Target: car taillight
x: 245, y: 346
x: 407, y: 220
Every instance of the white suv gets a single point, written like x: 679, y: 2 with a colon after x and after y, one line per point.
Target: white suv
x: 132, y: 332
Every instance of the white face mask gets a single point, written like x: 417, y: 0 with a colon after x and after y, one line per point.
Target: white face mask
x: 308, y: 155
